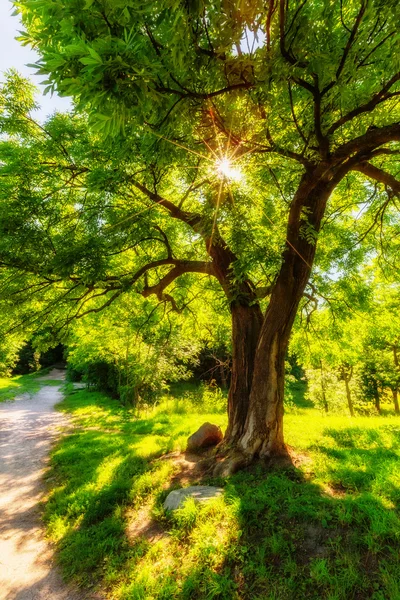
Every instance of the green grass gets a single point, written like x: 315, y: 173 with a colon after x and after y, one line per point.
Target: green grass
x: 23, y: 384
x: 328, y: 529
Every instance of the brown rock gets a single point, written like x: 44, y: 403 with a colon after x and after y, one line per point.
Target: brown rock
x: 207, y: 435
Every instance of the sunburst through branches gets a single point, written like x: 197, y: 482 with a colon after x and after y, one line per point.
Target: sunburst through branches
x: 226, y: 169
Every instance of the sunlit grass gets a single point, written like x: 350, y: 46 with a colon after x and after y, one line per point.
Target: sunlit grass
x: 327, y: 529
x: 22, y: 384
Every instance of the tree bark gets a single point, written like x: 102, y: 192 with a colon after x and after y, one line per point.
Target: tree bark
x: 395, y: 393
x: 348, y: 395
x: 324, y: 400
x: 246, y: 326
x: 377, y: 401
x: 263, y: 430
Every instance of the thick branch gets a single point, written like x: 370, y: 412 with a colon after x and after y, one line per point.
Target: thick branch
x: 379, y: 175
x: 180, y: 268
x: 191, y: 219
x: 369, y: 141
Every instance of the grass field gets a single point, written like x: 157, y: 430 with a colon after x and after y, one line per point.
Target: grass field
x: 23, y: 384
x: 328, y: 529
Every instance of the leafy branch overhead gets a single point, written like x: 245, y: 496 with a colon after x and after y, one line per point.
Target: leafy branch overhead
x: 232, y: 150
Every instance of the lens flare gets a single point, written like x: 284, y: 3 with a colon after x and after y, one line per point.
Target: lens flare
x: 227, y: 170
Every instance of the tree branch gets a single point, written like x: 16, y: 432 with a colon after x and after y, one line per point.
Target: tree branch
x: 180, y: 268
x: 379, y: 175
x: 381, y: 96
x: 191, y: 219
x: 206, y: 95
x: 282, y: 39
x: 347, y: 48
x: 368, y: 142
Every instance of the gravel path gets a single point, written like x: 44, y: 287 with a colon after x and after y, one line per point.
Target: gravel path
x: 27, y: 428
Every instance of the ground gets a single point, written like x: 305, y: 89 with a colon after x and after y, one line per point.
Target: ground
x: 327, y: 527
x: 27, y: 428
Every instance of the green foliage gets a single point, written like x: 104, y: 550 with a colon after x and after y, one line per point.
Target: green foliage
x: 161, y: 91
x: 196, y: 175
x: 9, y: 350
x: 131, y: 351
x: 30, y: 359
x: 196, y: 399
x: 359, y: 345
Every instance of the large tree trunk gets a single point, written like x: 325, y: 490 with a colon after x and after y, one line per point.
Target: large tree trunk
x: 246, y: 325
x: 263, y: 431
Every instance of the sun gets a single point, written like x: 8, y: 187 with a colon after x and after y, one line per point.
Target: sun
x: 227, y: 170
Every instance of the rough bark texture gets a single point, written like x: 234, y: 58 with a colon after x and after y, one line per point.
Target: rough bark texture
x: 263, y: 430
x: 246, y: 326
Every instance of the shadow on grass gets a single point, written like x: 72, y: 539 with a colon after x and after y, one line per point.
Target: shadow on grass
x: 278, y: 535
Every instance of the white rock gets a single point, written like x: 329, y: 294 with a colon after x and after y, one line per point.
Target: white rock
x: 199, y: 493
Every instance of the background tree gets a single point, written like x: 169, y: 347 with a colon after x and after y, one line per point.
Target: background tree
x: 381, y: 346
x: 171, y: 82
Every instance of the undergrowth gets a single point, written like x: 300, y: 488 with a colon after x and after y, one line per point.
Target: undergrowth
x: 326, y: 529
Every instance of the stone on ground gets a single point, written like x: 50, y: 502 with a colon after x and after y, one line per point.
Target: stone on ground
x: 199, y: 493
x: 207, y: 435
x: 79, y: 385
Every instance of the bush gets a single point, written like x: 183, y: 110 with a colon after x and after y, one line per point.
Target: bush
x: 102, y: 376
x: 74, y: 374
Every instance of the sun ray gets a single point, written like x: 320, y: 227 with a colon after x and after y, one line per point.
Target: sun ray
x: 181, y: 146
x: 227, y: 170
x: 210, y: 149
x: 250, y: 151
x: 130, y: 217
x: 216, y: 133
x: 215, y: 214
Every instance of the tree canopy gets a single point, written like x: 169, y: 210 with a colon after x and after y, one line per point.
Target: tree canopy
x: 241, y: 143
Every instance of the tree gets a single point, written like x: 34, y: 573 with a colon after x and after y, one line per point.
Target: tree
x: 132, y: 345
x: 303, y: 98
x: 331, y: 349
x: 383, y: 339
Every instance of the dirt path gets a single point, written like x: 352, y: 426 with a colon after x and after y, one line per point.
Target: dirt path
x: 27, y: 428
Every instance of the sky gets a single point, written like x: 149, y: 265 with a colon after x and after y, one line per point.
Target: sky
x: 12, y: 54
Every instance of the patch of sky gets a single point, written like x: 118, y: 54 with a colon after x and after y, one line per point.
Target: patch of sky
x: 14, y: 55
x: 250, y: 41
